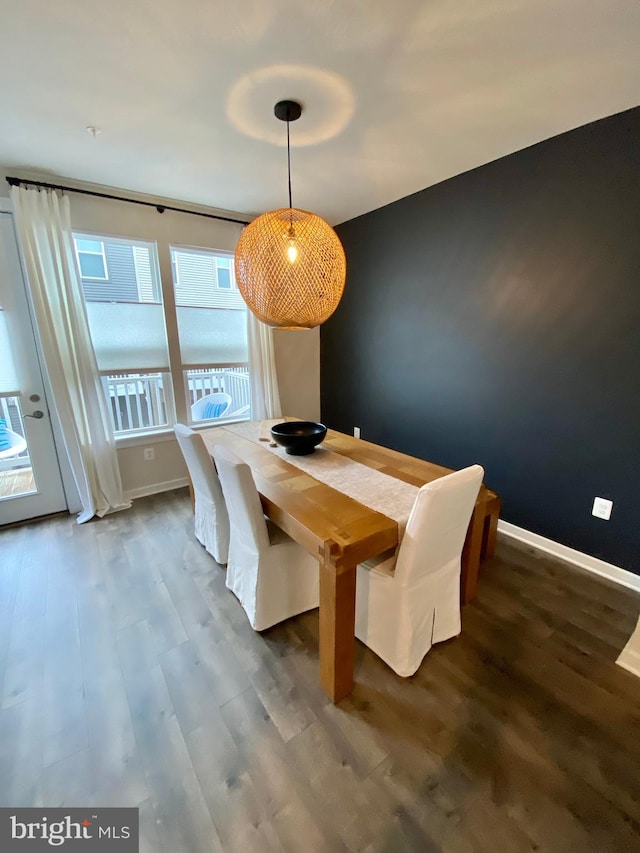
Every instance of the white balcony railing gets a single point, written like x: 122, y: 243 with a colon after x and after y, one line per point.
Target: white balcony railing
x: 138, y: 401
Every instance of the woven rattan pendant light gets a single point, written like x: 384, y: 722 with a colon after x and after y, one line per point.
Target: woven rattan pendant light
x: 290, y: 264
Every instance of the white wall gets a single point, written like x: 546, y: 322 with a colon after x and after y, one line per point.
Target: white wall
x: 297, y: 353
x: 298, y: 365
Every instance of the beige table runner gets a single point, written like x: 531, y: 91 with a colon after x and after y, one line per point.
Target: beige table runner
x: 380, y: 492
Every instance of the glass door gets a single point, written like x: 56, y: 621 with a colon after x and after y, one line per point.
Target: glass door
x: 30, y: 480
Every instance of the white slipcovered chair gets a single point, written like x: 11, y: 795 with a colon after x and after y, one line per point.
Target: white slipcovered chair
x: 272, y: 576
x: 401, y: 613
x: 211, y: 518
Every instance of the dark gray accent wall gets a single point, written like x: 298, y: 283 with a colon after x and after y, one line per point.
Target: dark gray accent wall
x: 495, y: 318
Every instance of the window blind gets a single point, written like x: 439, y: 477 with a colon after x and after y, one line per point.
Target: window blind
x: 212, y: 336
x: 128, y: 336
x: 9, y: 383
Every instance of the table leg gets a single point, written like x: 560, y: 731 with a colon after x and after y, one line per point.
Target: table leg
x: 337, y: 626
x: 491, y: 523
x: 471, y: 555
x: 494, y: 505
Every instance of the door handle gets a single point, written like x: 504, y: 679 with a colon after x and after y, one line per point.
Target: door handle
x: 38, y: 415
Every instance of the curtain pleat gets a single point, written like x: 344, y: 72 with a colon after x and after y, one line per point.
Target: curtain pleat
x: 265, y: 396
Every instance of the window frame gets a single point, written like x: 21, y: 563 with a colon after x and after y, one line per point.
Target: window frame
x: 221, y: 370
x: 175, y: 381
x: 101, y: 254
x: 233, y: 284
x: 199, y: 250
x: 135, y: 377
x: 133, y: 242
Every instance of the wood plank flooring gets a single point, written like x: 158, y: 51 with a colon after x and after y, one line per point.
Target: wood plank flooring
x: 129, y: 675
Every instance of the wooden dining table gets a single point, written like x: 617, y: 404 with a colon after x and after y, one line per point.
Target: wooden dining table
x: 341, y: 532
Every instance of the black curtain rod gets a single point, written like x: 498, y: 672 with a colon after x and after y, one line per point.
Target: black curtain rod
x: 16, y: 182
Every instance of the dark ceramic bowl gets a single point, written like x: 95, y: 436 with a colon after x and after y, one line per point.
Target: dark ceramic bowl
x: 298, y: 437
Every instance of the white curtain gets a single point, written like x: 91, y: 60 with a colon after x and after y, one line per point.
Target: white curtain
x: 43, y: 224
x: 265, y: 397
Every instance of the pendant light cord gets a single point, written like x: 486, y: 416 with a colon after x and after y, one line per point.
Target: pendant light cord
x: 289, y: 163
x: 288, y: 111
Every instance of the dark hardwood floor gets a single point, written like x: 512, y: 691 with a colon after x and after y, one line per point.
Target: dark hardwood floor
x: 129, y: 675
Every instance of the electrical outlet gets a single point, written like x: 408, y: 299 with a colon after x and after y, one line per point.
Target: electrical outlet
x: 356, y: 432
x: 602, y: 508
x: 149, y: 454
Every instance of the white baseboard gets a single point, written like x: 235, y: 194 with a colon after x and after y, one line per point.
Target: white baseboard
x: 630, y: 660
x: 156, y: 488
x: 570, y: 555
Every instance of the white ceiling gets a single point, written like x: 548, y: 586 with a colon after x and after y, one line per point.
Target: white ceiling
x: 397, y: 94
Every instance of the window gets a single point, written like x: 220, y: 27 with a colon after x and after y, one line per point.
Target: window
x: 218, y: 392
x: 9, y: 383
x: 130, y: 269
x: 92, y: 260
x: 205, y: 278
x: 212, y: 326
x: 225, y: 277
x: 138, y: 401
x: 126, y: 319
x: 13, y: 448
x: 129, y: 329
